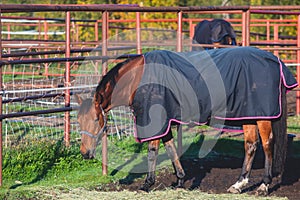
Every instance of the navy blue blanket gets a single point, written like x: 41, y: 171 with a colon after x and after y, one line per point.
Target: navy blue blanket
x: 214, y: 31
x: 208, y: 87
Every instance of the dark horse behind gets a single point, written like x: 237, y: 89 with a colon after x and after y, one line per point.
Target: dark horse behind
x: 243, y: 87
x: 216, y: 31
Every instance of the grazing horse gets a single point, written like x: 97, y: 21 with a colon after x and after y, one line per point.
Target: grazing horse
x: 216, y: 31
x: 240, y: 86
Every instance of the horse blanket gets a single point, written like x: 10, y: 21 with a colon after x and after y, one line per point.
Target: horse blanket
x: 209, y: 32
x: 208, y: 87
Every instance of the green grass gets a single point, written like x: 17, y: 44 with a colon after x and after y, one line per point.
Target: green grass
x: 294, y: 125
x: 42, y: 169
x: 50, y: 165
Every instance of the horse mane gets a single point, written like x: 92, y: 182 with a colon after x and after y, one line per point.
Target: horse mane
x: 109, y: 78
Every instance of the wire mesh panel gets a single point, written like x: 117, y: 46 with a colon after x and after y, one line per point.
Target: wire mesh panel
x: 27, y: 89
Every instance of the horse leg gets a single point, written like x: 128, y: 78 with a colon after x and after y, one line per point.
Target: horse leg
x: 153, y: 147
x: 266, y: 135
x: 172, y: 153
x: 250, y: 145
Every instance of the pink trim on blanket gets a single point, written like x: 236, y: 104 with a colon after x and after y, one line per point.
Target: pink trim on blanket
x: 225, y: 118
x: 282, y: 75
x: 180, y: 122
x: 166, y: 132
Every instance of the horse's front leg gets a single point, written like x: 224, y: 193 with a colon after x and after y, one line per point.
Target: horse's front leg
x: 250, y: 145
x: 172, y: 153
x: 153, y: 147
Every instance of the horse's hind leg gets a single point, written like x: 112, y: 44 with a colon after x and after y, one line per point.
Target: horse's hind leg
x: 250, y: 145
x: 172, y: 153
x: 266, y: 135
x: 153, y: 147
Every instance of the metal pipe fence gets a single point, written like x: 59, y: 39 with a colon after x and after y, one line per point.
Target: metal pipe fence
x: 67, y: 48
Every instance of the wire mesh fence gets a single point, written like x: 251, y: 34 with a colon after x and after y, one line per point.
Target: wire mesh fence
x: 27, y: 90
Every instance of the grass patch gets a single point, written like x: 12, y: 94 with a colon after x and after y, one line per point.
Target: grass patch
x: 293, y: 124
x: 47, y: 169
x: 51, y: 164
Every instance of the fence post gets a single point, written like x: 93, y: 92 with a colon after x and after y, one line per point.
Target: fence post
x: 276, y: 38
x: 179, y: 31
x: 96, y: 27
x: 46, y: 38
x: 191, y: 30
x: 104, y: 71
x: 1, y: 157
x: 138, y: 33
x: 67, y: 79
x: 298, y: 69
x: 179, y: 49
x: 246, y: 28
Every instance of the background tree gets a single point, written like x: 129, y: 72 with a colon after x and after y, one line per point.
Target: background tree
x: 86, y: 29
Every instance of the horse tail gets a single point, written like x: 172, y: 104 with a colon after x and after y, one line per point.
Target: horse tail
x: 279, y: 128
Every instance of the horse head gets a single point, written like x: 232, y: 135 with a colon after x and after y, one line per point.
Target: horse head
x: 92, y: 126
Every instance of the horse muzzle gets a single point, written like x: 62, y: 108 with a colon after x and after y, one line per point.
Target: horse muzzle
x: 88, y: 154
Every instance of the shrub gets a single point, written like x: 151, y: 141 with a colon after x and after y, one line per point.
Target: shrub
x: 34, y: 161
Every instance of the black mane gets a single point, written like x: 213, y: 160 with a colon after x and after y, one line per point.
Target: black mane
x: 110, y: 78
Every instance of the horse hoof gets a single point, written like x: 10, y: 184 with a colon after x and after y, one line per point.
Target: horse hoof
x: 180, y: 184
x: 263, y: 190
x: 144, y: 189
x: 261, y: 193
x: 234, y: 190
x: 179, y: 188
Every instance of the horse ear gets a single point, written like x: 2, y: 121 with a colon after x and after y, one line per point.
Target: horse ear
x: 78, y: 99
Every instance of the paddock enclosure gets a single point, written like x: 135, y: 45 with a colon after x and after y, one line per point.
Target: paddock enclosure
x: 45, y: 61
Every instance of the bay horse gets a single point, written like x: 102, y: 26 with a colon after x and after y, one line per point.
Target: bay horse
x: 216, y: 31
x: 240, y: 86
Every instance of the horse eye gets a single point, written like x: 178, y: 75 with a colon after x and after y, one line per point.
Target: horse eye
x: 96, y: 120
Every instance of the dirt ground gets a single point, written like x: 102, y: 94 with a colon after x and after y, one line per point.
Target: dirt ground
x: 216, y: 176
